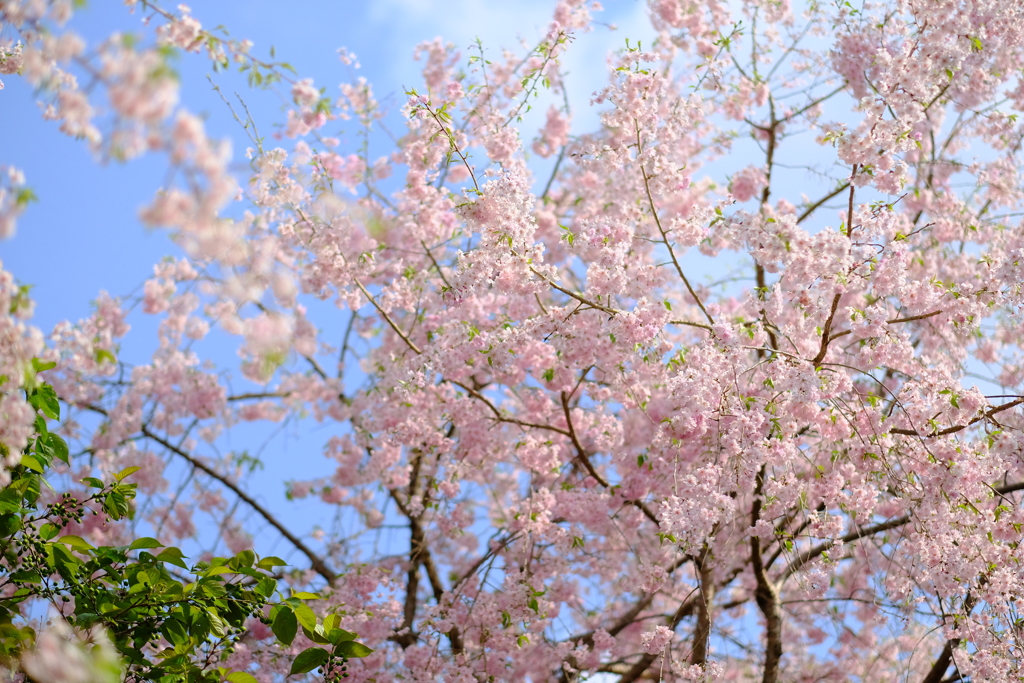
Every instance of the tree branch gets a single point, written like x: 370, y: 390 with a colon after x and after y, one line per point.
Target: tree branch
x: 816, y: 205
x: 863, y: 532
x: 706, y: 596
x: 316, y: 562
x: 765, y: 594
x: 825, y: 339
x: 637, y: 671
x: 894, y: 321
x: 387, y: 318
x: 582, y: 456
x: 958, y: 428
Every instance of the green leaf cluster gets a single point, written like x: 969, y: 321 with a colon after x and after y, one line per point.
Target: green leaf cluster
x: 169, y: 619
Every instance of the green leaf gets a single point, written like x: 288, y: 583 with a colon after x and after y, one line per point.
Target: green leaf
x: 305, y: 616
x: 350, y: 649
x: 285, y: 625
x: 104, y: 355
x: 63, y: 558
x: 10, y: 500
x: 317, y: 635
x: 245, y: 558
x: 218, y: 570
x: 116, y: 505
x: 303, y: 595
x: 309, y: 659
x: 331, y: 621
x: 174, y: 631
x: 57, y: 446
x: 26, y: 577
x: 126, y: 472
x: 31, y: 462
x: 41, y: 366
x: 76, y: 542
x: 172, y: 556
x: 9, y: 525
x: 145, y: 542
x: 266, y: 586
x: 241, y: 677
x: 48, y: 531
x: 336, y: 636
x: 271, y: 562
x: 45, y: 399
x: 217, y: 625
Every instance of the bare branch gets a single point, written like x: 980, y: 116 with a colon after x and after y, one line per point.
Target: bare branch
x: 316, y: 562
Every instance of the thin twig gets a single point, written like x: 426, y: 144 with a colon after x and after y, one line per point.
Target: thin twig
x: 387, y: 318
x: 664, y: 235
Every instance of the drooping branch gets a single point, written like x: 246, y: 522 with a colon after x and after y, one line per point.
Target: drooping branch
x: 573, y: 295
x: 498, y: 416
x: 584, y: 458
x: 894, y: 321
x: 938, y: 669
x: 387, y: 318
x: 661, y: 229
x: 686, y: 608
x: 945, y: 658
x: 419, y: 555
x: 316, y: 562
x: 798, y: 562
x: 417, y: 545
x: 816, y: 205
x: 849, y: 209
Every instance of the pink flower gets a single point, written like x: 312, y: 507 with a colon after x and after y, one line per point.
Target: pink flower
x: 748, y: 183
x: 656, y: 641
x: 304, y: 94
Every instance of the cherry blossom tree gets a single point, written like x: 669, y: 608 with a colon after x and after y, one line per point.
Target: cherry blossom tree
x: 729, y: 388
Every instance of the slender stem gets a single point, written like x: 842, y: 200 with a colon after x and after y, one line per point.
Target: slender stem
x: 849, y: 210
x: 664, y: 235
x: 497, y: 413
x: 584, y: 459
x: 806, y: 556
x: 578, y: 297
x: 394, y: 326
x: 816, y: 205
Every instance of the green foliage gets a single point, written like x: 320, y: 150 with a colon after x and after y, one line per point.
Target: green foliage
x: 170, y: 620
